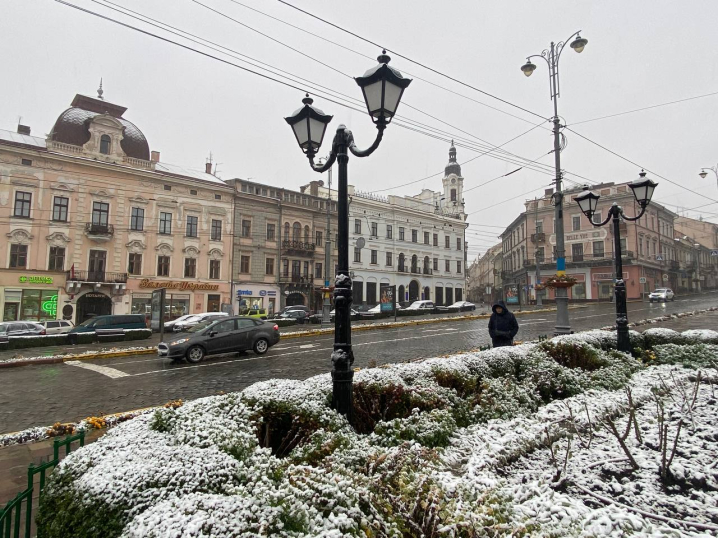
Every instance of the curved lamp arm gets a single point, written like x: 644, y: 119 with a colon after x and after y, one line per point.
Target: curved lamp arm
x: 322, y: 167
x: 617, y: 210
x: 368, y: 151
x: 608, y: 218
x: 561, y: 45
x: 643, y: 210
x: 542, y: 55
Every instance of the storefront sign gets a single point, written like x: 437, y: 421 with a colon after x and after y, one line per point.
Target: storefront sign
x: 170, y: 285
x: 35, y: 280
x: 50, y: 306
x: 581, y: 237
x: 260, y: 293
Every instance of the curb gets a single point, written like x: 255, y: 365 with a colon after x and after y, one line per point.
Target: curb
x: 56, y: 360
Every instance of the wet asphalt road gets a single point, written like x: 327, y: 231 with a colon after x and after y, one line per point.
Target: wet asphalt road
x: 44, y: 394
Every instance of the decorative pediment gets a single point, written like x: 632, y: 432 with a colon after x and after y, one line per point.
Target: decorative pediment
x: 216, y: 254
x: 20, y: 236
x: 191, y: 251
x: 26, y: 181
x: 106, y: 120
x: 61, y: 187
x: 164, y: 249
x: 216, y: 210
x: 192, y: 207
x: 58, y: 239
x: 136, y: 246
x: 102, y: 193
x: 166, y: 202
x: 139, y: 200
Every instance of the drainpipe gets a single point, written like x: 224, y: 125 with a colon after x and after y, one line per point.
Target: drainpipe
x: 280, y: 238
x: 231, y: 255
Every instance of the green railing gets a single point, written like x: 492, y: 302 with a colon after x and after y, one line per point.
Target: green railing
x: 12, y: 517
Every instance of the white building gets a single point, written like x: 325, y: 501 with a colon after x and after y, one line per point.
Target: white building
x: 416, y: 243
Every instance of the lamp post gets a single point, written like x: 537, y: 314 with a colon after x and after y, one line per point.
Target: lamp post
x: 382, y: 87
x: 713, y: 169
x: 552, y: 56
x: 587, y: 201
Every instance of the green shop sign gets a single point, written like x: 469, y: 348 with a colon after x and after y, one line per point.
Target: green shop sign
x: 50, y: 306
x: 35, y: 280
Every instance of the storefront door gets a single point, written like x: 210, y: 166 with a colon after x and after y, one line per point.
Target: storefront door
x: 93, y: 304
x: 213, y: 303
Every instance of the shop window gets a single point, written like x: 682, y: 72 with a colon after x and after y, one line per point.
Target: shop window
x: 134, y: 265
x: 163, y: 266
x: 23, y: 201
x: 244, y: 264
x: 165, y: 223
x: 578, y: 291
x: 38, y: 305
x: 213, y: 303
x: 137, y: 219
x: 190, y: 268
x: 192, y: 224
x: 18, y: 256
x: 269, y: 266
x: 216, y: 233
x: 60, y: 206
x: 57, y: 259
x: 105, y: 144
x: 214, y: 269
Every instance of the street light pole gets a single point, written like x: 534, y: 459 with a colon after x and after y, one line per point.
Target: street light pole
x: 552, y: 56
x: 382, y: 87
x: 713, y: 169
x: 587, y: 201
x: 327, y: 305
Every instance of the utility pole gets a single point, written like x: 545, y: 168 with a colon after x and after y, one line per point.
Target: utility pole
x: 539, y: 299
x: 327, y: 305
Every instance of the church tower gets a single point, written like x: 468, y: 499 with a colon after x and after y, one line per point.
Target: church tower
x: 453, y: 201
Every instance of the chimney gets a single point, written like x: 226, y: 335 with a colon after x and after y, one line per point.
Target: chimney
x: 155, y: 156
x: 23, y: 129
x: 208, y: 168
x: 548, y: 192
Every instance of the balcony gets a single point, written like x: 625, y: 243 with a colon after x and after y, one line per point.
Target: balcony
x: 99, y: 232
x: 539, y: 237
x: 402, y: 269
x: 298, y: 248
x: 428, y: 271
x: 102, y: 277
x: 297, y: 280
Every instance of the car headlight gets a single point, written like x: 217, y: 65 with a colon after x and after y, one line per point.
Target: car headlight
x: 180, y: 341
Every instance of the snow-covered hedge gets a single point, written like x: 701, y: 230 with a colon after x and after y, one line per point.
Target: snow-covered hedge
x: 428, y: 454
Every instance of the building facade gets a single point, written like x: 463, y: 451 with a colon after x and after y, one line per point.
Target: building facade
x: 95, y: 221
x: 490, y: 268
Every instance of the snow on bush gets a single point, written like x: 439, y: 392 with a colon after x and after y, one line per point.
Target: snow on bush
x: 654, y: 337
x: 452, y: 446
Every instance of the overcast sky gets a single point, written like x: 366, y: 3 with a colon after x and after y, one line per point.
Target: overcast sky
x: 640, y: 53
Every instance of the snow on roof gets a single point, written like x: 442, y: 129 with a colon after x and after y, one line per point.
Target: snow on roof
x: 17, y: 138
x: 187, y: 172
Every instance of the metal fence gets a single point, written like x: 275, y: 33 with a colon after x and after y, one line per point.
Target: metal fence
x: 16, y: 517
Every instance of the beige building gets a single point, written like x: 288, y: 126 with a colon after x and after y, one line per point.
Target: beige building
x: 489, y: 274
x: 94, y: 222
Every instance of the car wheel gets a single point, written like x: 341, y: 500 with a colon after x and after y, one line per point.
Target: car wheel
x: 195, y: 354
x: 261, y: 346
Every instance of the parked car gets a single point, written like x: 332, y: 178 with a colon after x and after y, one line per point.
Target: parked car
x: 661, y: 295
x: 256, y: 313
x: 301, y: 316
x: 421, y: 305
x: 20, y: 328
x: 463, y: 306
x: 227, y: 335
x: 58, y: 326
x: 170, y: 325
x: 291, y: 309
x: 194, y: 319
x: 120, y: 322
x: 352, y: 313
x: 377, y: 309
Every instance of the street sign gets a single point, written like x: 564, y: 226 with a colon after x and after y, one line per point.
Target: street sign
x: 665, y: 278
x: 642, y: 280
x: 360, y: 243
x: 659, y: 258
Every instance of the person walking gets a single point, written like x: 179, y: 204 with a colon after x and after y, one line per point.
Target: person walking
x: 502, y: 325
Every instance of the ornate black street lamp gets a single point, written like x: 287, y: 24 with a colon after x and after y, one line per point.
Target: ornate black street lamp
x: 383, y: 87
x: 587, y: 201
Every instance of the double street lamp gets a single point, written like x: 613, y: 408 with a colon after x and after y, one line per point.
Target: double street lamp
x: 587, y: 201
x: 382, y: 87
x: 551, y: 56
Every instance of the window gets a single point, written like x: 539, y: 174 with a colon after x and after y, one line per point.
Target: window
x: 295, y: 269
x: 270, y: 232
x: 318, y: 238
x: 165, y: 223
x: 389, y: 231
x: 374, y: 257
x: 436, y: 240
x: 426, y: 238
x: 597, y: 218
x: 285, y: 267
x: 640, y: 246
x: 134, y: 265
x: 163, y: 266
x: 246, y: 228
x: 193, y: 192
x: 447, y: 241
x: 306, y: 269
x: 18, y: 255
x: 244, y: 264
x: 357, y: 226
x: 100, y: 213
x: 192, y: 222
x: 623, y: 246
x: 190, y: 268
x: 217, y: 196
x: 458, y: 243
x: 357, y: 255
x: 306, y: 234
x: 22, y: 204
x: 598, y: 249
x: 214, y: 269
x: 371, y: 293
x: 105, y: 144
x: 60, y: 205
x: 57, y: 259
x: 436, y: 264
x: 458, y: 266
x: 269, y: 266
x: 168, y: 187
x: 318, y: 271
x: 401, y: 233
x: 216, y: 230
x: 296, y: 231
x: 26, y: 162
x: 137, y: 219
x: 539, y: 254
x: 539, y: 226
x: 576, y: 223
x: 414, y: 236
x: 577, y: 252
x: 447, y: 266
x: 374, y: 229
x: 389, y: 261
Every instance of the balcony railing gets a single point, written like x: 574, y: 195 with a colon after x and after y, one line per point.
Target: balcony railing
x: 296, y: 279
x: 428, y: 271
x: 99, y: 229
x: 298, y: 246
x: 96, y: 276
x: 402, y: 269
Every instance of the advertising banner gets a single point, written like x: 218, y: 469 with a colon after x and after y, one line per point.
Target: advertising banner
x: 511, y: 294
x: 157, y: 319
x: 387, y: 298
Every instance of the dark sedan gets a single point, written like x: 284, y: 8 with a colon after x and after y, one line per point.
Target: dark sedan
x: 226, y: 335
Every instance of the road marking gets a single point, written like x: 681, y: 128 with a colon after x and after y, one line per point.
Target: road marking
x: 308, y: 346
x: 104, y: 370
x: 446, y: 330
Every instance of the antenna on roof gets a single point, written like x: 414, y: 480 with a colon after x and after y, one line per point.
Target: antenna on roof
x: 100, y: 91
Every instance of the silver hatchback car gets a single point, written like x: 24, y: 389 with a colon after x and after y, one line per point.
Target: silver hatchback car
x: 661, y: 295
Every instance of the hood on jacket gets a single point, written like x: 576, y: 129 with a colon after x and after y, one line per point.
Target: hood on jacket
x: 502, y: 305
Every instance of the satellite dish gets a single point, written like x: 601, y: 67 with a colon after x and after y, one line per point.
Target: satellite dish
x: 361, y: 243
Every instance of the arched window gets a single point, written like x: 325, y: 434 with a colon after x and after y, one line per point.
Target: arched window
x: 414, y: 264
x: 286, y: 231
x: 105, y: 143
x: 296, y: 231
x: 306, y: 234
x: 453, y: 195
